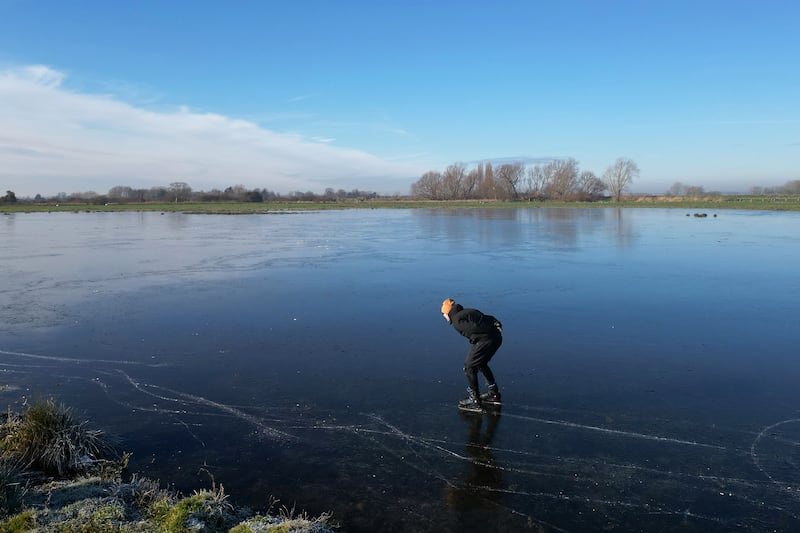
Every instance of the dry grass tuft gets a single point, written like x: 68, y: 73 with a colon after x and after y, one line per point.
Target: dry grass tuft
x: 49, y: 438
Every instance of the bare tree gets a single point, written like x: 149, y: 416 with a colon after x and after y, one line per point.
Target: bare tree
x: 486, y: 183
x: 792, y: 187
x: 237, y: 192
x: 428, y: 186
x: 138, y: 195
x: 453, y: 181
x: 180, y: 191
x: 536, y: 182
x: 619, y: 176
x: 561, y: 177
x: 471, y: 181
x: 589, y: 186
x: 476, y: 177
x: 84, y: 196
x: 157, y: 194
x: 120, y: 192
x: 507, y: 178
x: 677, y: 189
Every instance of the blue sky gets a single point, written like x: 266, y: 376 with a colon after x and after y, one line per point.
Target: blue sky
x: 312, y: 94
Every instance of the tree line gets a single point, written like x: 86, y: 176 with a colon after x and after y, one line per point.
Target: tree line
x: 179, y: 192
x: 682, y: 189
x: 560, y: 179
x: 790, y: 187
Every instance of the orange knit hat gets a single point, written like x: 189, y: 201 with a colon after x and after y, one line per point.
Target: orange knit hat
x: 447, y: 305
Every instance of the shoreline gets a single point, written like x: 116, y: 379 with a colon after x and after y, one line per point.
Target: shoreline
x: 742, y: 202
x: 56, y: 474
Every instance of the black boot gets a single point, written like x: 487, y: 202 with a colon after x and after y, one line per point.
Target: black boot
x: 492, y: 395
x: 472, y: 403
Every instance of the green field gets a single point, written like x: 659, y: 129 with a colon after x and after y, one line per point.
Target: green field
x: 768, y: 203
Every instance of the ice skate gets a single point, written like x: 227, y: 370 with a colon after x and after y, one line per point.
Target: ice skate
x: 471, y: 403
x: 492, y: 396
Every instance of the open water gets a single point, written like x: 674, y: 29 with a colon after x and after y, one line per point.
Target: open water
x: 649, y: 370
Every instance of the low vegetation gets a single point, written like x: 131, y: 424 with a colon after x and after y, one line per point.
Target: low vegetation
x: 557, y: 183
x: 47, y: 437
x: 13, y: 485
x: 552, y: 183
x: 748, y: 202
x: 56, y: 475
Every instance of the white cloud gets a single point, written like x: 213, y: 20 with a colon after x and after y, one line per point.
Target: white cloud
x: 53, y: 139
x: 41, y: 75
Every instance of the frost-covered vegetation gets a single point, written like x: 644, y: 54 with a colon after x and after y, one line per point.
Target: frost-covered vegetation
x: 58, y: 475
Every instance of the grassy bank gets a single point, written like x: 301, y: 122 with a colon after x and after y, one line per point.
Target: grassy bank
x: 58, y: 475
x: 749, y: 202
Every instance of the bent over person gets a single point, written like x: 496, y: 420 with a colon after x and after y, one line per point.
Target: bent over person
x: 485, y: 334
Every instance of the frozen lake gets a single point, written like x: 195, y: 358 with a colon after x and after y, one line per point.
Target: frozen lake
x: 649, y: 370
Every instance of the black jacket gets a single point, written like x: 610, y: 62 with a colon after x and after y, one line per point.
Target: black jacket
x: 473, y: 324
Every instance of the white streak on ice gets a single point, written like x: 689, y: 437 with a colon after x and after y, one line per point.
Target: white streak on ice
x: 619, y: 432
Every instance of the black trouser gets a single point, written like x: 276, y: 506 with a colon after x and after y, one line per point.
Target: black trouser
x: 478, y: 359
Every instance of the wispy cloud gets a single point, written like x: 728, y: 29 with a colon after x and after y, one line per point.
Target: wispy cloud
x: 525, y: 160
x: 282, y: 116
x: 54, y: 139
x: 41, y: 75
x: 301, y: 97
x: 396, y: 131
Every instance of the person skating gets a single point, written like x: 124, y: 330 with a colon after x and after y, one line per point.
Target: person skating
x: 485, y: 334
